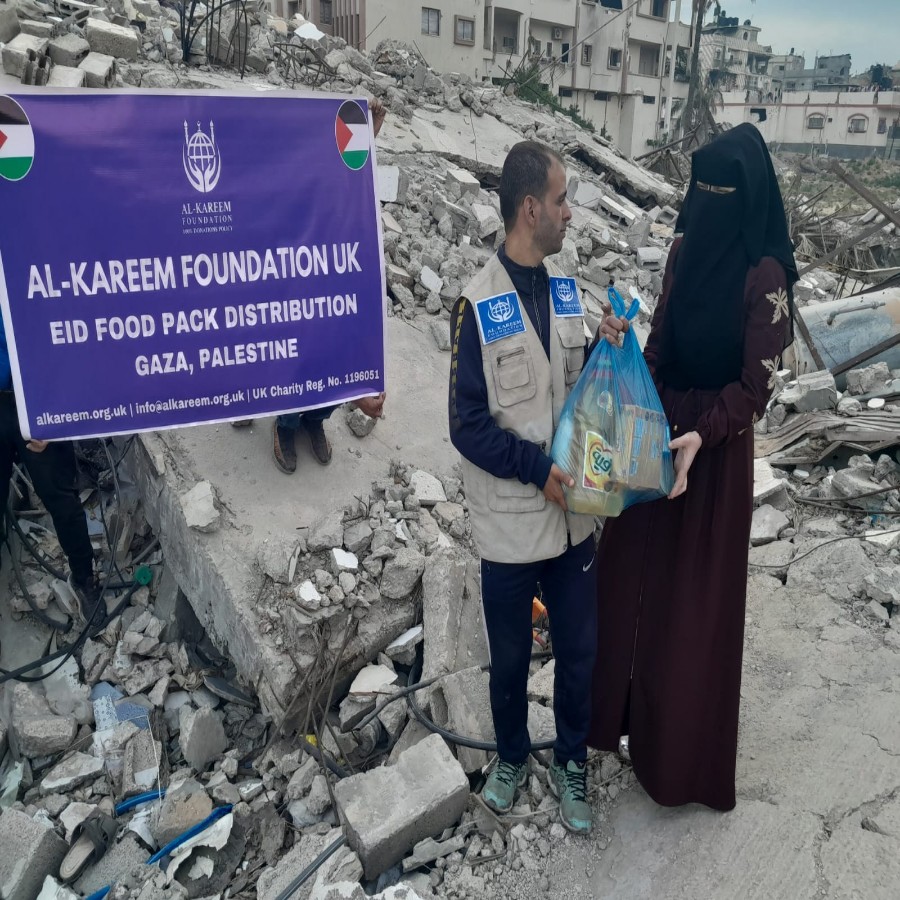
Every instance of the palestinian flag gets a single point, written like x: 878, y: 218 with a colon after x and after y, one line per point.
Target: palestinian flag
x: 16, y: 141
x: 351, y: 131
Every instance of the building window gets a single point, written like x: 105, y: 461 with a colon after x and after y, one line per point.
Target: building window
x: 587, y: 54
x: 648, y: 64
x: 649, y: 98
x: 611, y: 4
x: 815, y: 122
x: 659, y: 9
x: 464, y: 31
x: 882, y: 126
x: 326, y: 16
x: 564, y: 55
x: 602, y: 96
x: 565, y: 92
x: 509, y: 44
x: 746, y: 36
x: 614, y: 61
x: 431, y: 20
x: 858, y: 125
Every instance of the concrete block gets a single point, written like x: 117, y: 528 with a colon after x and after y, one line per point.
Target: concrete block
x: 387, y: 811
x: 202, y: 737
x: 73, y: 771
x: 402, y: 573
x: 15, y: 53
x: 428, y: 489
x: 37, y: 29
x: 460, y: 182
x: 393, y: 184
x: 68, y: 50
x: 487, y: 221
x: 871, y: 378
x: 768, y: 523
x: 649, y: 257
x: 122, y: 857
x: 116, y: 41
x: 767, y: 488
x: 143, y: 756
x: 403, y: 649
x: 326, y: 532
x: 811, y: 392
x: 461, y: 704
x: 201, y: 508
x: 585, y: 194
x: 99, y: 70
x: 34, y: 729
x: 9, y: 22
x: 430, y: 280
x: 398, y: 275
x: 443, y: 584
x: 66, y: 77
x: 31, y: 852
x: 185, y: 804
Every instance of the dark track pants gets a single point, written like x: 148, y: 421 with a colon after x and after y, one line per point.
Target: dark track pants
x: 569, y: 590
x: 53, y: 475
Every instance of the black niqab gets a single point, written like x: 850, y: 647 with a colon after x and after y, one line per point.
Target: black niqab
x: 725, y: 234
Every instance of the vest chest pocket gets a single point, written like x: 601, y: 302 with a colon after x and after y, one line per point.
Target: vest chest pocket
x: 514, y: 379
x: 511, y: 496
x: 571, y: 336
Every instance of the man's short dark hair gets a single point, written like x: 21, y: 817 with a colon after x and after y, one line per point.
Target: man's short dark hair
x: 524, y: 175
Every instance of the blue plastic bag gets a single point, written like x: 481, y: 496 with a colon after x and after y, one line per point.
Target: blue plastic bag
x: 613, y: 437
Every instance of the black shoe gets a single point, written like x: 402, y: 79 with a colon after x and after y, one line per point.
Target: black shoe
x: 87, y: 593
x: 321, y: 447
x: 283, y: 448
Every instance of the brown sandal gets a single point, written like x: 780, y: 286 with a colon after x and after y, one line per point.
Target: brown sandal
x: 90, y: 841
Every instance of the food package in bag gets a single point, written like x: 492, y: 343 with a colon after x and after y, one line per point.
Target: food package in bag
x: 613, y: 437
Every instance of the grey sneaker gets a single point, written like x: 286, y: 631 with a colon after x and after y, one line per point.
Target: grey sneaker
x: 569, y: 785
x: 499, y: 791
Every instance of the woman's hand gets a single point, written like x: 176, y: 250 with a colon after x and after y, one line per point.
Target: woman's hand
x: 614, y: 330
x: 686, y: 448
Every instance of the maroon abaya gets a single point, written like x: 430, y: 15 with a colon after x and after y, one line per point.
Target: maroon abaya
x: 672, y: 576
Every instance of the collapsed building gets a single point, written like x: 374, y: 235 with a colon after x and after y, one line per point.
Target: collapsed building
x: 297, y: 678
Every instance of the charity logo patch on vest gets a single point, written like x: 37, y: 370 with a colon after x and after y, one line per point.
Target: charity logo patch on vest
x: 564, y: 293
x: 499, y: 317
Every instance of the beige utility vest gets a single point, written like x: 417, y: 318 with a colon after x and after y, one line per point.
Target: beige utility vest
x: 513, y: 522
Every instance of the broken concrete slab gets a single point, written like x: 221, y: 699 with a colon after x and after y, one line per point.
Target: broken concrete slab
x: 388, y: 811
x: 403, y: 649
x: 811, y: 392
x: 186, y: 803
x: 117, y: 41
x: 201, y: 508
x: 838, y: 569
x: 461, y: 704
x: 767, y: 525
x: 31, y: 851
x: 427, y: 488
x: 65, y: 77
x: 99, y: 70
x: 143, y: 765
x: 402, y: 573
x: 460, y: 182
x: 393, y: 184
x: 73, y: 771
x: 202, y: 737
x: 767, y: 487
x: 344, y: 865
x: 121, y: 857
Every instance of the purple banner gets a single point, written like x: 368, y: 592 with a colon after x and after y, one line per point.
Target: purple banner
x: 169, y: 259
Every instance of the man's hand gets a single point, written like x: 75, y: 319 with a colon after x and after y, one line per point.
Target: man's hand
x: 371, y: 406
x: 686, y: 447
x: 614, y: 330
x: 378, y: 110
x: 553, y: 489
x: 37, y: 446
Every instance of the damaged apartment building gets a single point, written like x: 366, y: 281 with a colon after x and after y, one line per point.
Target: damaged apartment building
x: 622, y: 66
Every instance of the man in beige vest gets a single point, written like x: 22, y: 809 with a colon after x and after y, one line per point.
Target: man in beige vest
x: 518, y: 348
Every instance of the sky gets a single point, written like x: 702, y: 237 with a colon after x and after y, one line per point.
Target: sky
x: 824, y: 27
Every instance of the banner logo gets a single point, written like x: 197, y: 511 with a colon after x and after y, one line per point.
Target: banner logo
x: 351, y: 131
x: 201, y: 159
x: 16, y: 141
x: 564, y: 293
x: 501, y: 311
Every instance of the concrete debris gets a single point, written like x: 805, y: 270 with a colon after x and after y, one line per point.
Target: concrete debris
x: 388, y: 811
x: 811, y: 392
x: 73, y: 771
x: 201, y: 507
x: 768, y: 524
x: 403, y: 649
x: 202, y: 737
x: 185, y: 804
x: 402, y: 573
x: 34, y: 729
x: 31, y: 851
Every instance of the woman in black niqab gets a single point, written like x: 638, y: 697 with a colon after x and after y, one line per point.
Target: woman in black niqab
x: 672, y: 575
